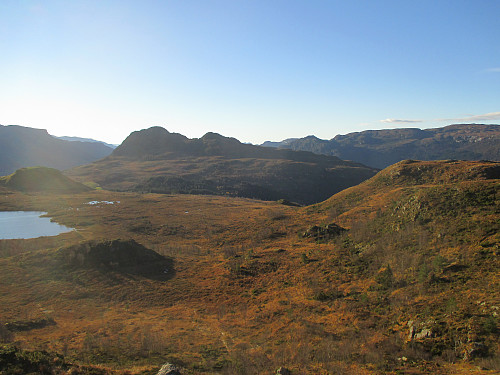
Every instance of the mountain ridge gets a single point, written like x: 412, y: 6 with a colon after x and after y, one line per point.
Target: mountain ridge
x: 155, y: 160
x: 381, y: 148
x: 22, y: 146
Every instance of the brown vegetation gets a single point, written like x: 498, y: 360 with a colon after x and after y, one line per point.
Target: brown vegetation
x: 410, y: 287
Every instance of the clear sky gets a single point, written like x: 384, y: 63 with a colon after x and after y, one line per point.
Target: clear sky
x: 256, y: 70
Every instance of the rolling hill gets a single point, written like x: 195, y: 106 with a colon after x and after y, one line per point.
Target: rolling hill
x: 381, y: 148
x: 154, y: 160
x: 41, y: 179
x: 22, y: 147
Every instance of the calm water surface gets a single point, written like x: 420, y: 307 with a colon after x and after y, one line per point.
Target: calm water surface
x: 28, y: 224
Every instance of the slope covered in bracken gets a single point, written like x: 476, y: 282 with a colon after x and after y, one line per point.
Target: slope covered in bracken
x: 396, y: 275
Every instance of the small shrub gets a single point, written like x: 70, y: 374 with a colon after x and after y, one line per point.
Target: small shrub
x: 439, y: 262
x: 385, y: 278
x: 328, y: 295
x: 490, y: 325
x: 423, y: 273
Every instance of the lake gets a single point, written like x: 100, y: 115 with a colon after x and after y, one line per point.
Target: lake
x: 28, y: 224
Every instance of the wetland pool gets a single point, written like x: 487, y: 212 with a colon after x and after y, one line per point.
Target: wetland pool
x: 28, y: 224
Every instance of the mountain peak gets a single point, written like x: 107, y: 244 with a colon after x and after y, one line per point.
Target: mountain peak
x: 152, y: 141
x: 212, y: 135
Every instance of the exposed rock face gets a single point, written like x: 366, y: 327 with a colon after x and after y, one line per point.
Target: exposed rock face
x: 169, y: 369
x: 419, y: 331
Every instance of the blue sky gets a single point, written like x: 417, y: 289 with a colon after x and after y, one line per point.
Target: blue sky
x: 254, y: 70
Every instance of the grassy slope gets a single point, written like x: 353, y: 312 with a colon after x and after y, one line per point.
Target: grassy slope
x: 33, y: 179
x: 249, y: 294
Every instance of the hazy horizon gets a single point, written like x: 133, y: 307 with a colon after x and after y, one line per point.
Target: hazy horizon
x: 93, y: 138
x: 256, y: 71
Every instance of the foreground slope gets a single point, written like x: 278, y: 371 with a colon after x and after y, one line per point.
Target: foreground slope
x: 381, y: 148
x: 154, y: 160
x: 27, y: 147
x: 406, y: 281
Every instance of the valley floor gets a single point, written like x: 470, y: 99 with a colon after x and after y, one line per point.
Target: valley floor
x: 247, y: 293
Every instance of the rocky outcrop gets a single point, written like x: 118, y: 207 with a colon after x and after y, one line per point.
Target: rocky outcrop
x: 169, y: 369
x: 324, y: 232
x: 419, y: 331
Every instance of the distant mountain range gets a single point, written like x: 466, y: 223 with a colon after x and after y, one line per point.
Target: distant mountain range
x: 26, y: 147
x: 154, y: 160
x: 304, y: 170
x: 78, y: 139
x: 381, y: 148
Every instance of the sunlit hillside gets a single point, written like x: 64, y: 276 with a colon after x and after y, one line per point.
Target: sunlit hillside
x: 396, y: 275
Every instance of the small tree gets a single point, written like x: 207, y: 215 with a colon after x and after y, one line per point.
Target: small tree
x: 385, y: 278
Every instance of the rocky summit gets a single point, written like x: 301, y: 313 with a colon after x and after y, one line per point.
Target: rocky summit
x: 155, y: 160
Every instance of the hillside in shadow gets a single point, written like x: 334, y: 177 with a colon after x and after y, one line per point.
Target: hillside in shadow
x: 154, y: 160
